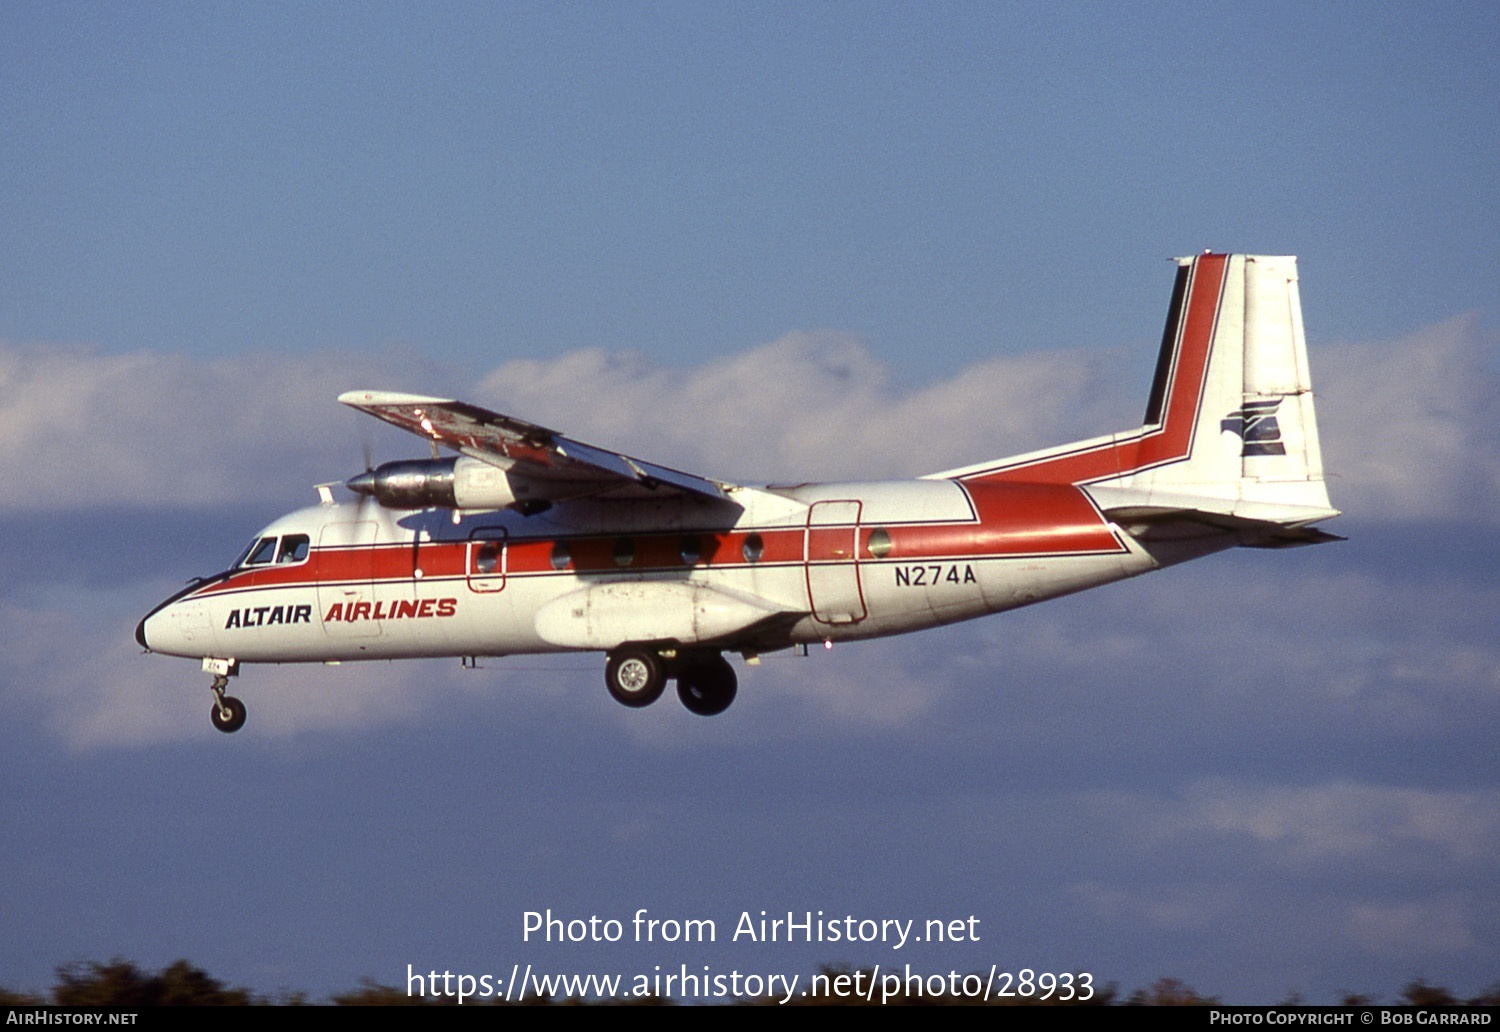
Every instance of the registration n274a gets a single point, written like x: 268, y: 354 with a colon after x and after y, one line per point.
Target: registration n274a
x: 931, y: 574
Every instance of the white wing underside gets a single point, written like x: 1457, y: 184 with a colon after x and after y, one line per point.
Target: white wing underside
x: 570, y: 468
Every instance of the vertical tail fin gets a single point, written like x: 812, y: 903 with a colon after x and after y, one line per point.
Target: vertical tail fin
x: 1247, y: 417
x: 1229, y: 428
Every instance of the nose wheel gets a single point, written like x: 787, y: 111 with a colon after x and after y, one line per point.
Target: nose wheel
x: 228, y: 713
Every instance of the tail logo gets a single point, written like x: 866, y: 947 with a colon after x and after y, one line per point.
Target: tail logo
x: 1255, y: 424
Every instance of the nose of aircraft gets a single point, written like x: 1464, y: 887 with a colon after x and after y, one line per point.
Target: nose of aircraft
x: 177, y: 627
x: 157, y: 631
x: 161, y: 631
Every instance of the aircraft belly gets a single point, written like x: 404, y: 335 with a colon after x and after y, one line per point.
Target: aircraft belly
x: 501, y: 623
x: 912, y: 596
x: 1015, y: 583
x: 603, y: 616
x: 436, y: 618
x: 909, y: 596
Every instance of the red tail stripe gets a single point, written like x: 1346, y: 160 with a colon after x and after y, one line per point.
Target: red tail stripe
x: 1174, y: 438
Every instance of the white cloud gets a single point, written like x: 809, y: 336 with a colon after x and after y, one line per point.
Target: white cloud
x: 109, y: 693
x: 1258, y: 642
x: 80, y: 428
x: 1424, y: 926
x: 808, y: 406
x: 1342, y: 821
x: 1337, y: 825
x: 1291, y: 922
x: 1303, y: 857
x: 1406, y: 424
x: 1196, y: 908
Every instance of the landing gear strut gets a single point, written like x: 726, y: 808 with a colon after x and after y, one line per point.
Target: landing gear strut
x: 228, y: 713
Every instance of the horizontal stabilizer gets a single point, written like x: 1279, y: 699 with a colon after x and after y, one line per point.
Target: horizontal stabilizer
x: 1156, y: 523
x: 1118, y: 502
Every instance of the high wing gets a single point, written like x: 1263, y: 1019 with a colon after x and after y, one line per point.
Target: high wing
x: 561, y: 466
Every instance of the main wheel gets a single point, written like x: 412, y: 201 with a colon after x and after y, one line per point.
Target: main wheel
x: 708, y: 687
x: 230, y: 717
x: 635, y: 677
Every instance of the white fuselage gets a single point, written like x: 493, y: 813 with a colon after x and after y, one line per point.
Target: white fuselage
x: 774, y: 567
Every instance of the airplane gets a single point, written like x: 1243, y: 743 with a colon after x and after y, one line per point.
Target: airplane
x: 527, y: 541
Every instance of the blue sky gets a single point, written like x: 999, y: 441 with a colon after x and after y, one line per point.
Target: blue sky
x: 762, y: 242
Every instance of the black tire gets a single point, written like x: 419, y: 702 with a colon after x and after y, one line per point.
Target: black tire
x: 707, y: 687
x: 635, y: 677
x: 234, y: 720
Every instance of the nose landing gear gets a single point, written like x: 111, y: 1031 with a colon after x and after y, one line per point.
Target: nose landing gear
x: 228, y: 714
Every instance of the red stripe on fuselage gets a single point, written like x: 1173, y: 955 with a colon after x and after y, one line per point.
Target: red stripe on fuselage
x: 1173, y: 439
x: 1013, y: 520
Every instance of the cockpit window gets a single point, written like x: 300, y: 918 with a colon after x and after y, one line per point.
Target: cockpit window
x: 261, y: 553
x: 239, y: 560
x: 290, y: 548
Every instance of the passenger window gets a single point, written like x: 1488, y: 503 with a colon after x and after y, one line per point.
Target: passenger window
x: 488, y: 557
x: 263, y: 552
x: 753, y: 548
x: 293, y: 549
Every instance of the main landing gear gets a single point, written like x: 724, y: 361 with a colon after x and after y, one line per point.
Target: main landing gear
x: 637, y: 675
x: 228, y: 713
x: 707, y: 687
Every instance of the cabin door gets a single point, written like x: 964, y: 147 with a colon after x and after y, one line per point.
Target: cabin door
x: 831, y: 554
x: 346, y: 580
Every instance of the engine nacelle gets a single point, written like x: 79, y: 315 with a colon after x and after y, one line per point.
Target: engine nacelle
x: 478, y: 485
x: 459, y: 483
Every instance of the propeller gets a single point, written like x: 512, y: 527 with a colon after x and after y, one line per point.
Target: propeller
x: 406, y: 483
x: 363, y: 484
